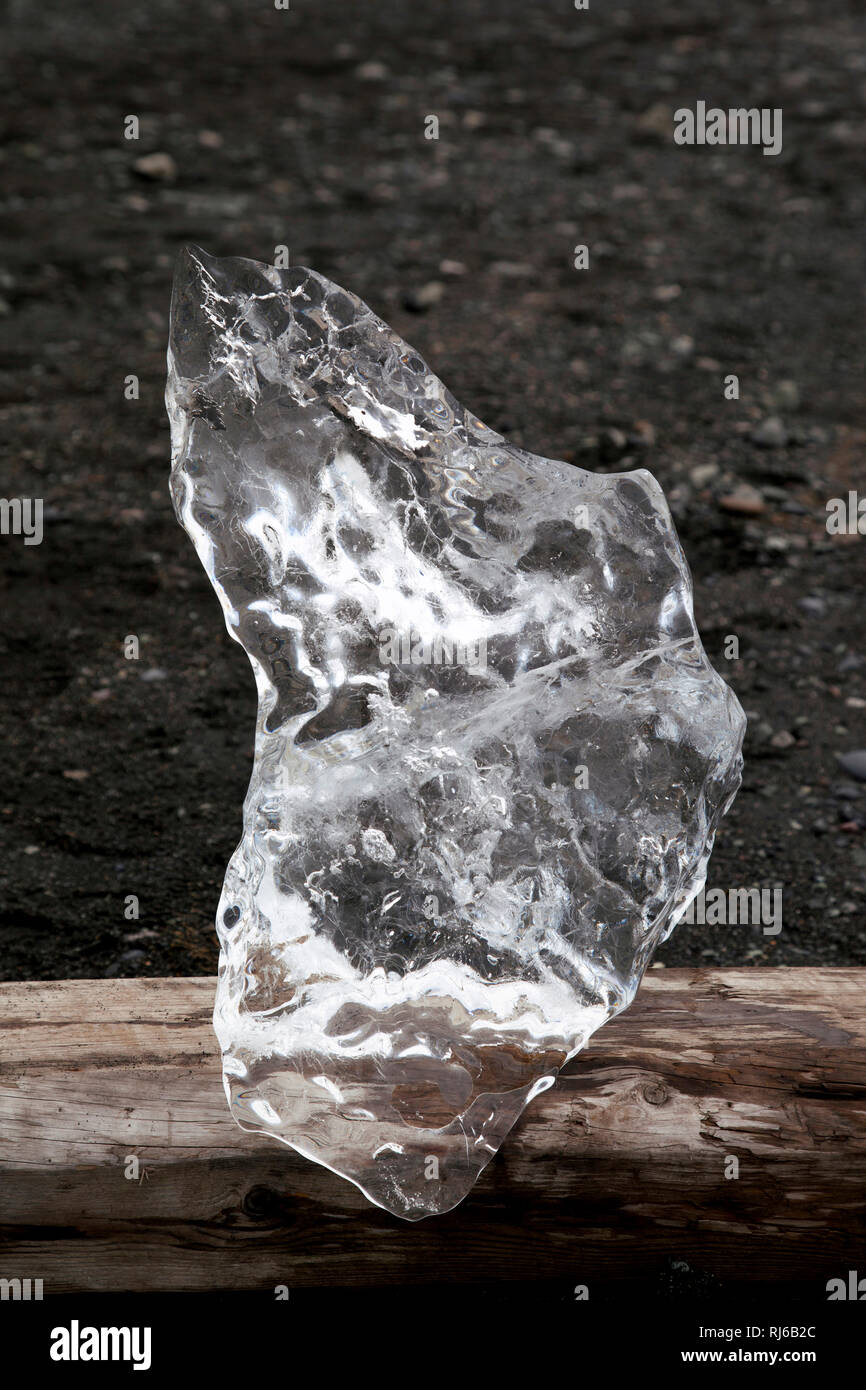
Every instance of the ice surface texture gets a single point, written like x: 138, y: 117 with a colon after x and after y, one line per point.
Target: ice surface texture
x: 491, y: 753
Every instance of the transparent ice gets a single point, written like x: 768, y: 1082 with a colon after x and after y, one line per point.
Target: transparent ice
x: 490, y: 754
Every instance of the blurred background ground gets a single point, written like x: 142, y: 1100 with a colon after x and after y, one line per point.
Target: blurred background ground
x: 305, y: 128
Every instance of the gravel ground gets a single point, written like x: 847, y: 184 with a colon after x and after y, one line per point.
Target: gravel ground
x: 306, y: 128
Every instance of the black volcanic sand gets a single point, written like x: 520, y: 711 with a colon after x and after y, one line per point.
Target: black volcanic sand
x: 306, y: 128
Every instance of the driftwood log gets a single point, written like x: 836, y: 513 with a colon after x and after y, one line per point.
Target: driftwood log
x: 614, y: 1171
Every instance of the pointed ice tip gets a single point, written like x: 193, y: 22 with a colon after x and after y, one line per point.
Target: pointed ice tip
x: 207, y: 293
x: 192, y: 268
x: 189, y: 331
x: 190, y: 260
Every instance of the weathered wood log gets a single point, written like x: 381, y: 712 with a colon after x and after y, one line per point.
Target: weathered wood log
x: 618, y: 1167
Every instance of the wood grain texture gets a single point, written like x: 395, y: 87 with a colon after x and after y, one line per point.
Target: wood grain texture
x: 617, y: 1168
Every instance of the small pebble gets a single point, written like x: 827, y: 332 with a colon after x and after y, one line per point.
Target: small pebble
x: 770, y: 434
x: 703, y: 473
x: 683, y: 345
x: 745, y: 500
x: 783, y: 739
x: 657, y: 121
x: 371, y: 72
x: 787, y: 395
x: 424, y: 297
x: 813, y: 604
x: 854, y: 763
x: 158, y: 166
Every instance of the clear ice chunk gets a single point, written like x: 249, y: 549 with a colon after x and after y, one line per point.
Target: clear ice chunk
x: 491, y: 754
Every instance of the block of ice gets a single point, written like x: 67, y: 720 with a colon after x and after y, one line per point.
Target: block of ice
x: 490, y: 753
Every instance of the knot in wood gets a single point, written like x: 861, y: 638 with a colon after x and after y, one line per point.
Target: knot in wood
x: 261, y: 1203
